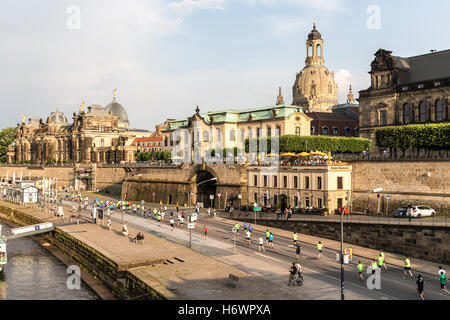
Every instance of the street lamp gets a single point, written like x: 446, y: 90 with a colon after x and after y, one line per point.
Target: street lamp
x: 342, y: 236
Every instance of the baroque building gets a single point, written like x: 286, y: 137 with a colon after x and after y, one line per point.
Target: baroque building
x: 100, y: 135
x: 405, y: 91
x: 314, y: 88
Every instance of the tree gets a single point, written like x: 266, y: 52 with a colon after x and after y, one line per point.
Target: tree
x: 7, y: 136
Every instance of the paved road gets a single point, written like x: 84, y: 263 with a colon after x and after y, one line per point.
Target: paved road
x: 322, y: 277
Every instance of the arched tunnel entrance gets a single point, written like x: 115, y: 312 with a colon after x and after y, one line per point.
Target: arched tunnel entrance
x: 205, y: 187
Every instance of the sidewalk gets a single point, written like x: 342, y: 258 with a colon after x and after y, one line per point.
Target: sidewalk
x: 391, y: 258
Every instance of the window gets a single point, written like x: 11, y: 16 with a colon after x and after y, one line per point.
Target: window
x: 319, y: 50
x: 102, y: 143
x: 422, y: 112
x: 255, y: 180
x: 269, y: 131
x: 258, y: 132
x: 295, y: 182
x: 278, y: 131
x: 347, y: 131
x: 265, y: 181
x: 295, y: 201
x: 357, y: 132
x: 255, y: 197
x: 310, y: 51
x: 439, y: 110
x: 406, y: 113
x: 325, y: 131
x: 335, y: 131
x: 275, y: 181
x: 242, y: 135
x: 313, y: 130
x: 206, y: 136
x: 285, y: 181
x: 330, y: 88
x: 383, y: 81
x: 376, y: 82
x: 307, y: 202
x: 319, y: 183
x: 297, y: 131
x: 339, y: 203
x: 218, y: 134
x: 275, y: 200
x: 306, y: 182
x: 319, y: 202
x: 382, y: 118
x: 165, y: 141
x: 340, y: 183
x: 232, y: 135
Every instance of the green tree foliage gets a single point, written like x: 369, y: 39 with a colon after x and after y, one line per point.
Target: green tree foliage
x: 296, y: 144
x: 7, y: 136
x: 430, y: 136
x: 224, y: 151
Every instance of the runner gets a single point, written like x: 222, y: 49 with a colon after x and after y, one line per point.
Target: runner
x: 441, y: 270
x: 159, y: 219
x: 236, y: 226
x: 250, y: 228
x: 245, y: 226
x: 384, y: 259
x: 407, y: 268
x: 248, y: 235
x: 420, y: 284
x: 271, y: 240
x: 297, y: 250
x: 294, y: 238
x: 261, y: 244
x: 179, y: 218
x: 320, y: 248
x: 171, y: 223
x: 181, y: 222
x: 267, y: 236
x: 360, y: 267
x: 374, y: 266
x: 443, y: 280
x: 380, y: 262
x: 205, y: 232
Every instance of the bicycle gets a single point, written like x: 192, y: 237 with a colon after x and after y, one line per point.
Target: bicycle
x: 298, y: 279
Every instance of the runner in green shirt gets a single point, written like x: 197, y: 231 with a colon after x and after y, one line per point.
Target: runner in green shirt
x: 374, y: 266
x: 408, y: 268
x: 360, y: 267
x: 384, y: 259
x: 320, y: 248
x: 443, y: 280
x: 267, y: 237
x: 380, y: 261
x: 236, y: 226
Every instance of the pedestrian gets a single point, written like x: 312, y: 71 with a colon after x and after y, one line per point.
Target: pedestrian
x: 159, y: 219
x: 443, y: 280
x: 408, y: 268
x: 163, y: 214
x: 320, y: 248
x: 181, y: 222
x: 267, y: 236
x: 271, y: 240
x: 245, y: 226
x: 248, y: 235
x: 109, y: 224
x: 294, y: 238
x: 297, y: 249
x: 236, y: 226
x: 261, y: 245
x: 205, y: 232
x: 420, y: 284
x: 384, y: 259
x: 441, y: 271
x: 360, y: 267
x: 374, y: 266
x: 177, y: 207
x: 171, y: 213
x: 250, y: 228
x: 125, y: 230
x: 171, y: 223
x: 380, y: 262
x: 292, y: 272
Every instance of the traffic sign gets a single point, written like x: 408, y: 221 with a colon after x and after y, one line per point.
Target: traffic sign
x: 349, y: 252
x: 211, y: 196
x: 219, y: 195
x: 378, y: 195
x: 191, y: 225
x: 387, y: 196
x: 239, y: 196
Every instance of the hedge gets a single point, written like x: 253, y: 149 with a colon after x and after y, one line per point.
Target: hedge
x: 430, y: 136
x: 296, y: 144
x: 153, y: 155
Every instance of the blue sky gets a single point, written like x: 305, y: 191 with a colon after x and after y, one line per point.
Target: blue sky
x: 166, y: 57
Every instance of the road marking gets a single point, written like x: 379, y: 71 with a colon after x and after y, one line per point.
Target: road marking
x: 267, y: 257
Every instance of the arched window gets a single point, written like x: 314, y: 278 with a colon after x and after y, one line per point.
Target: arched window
x: 422, y: 112
x: 319, y: 50
x: 297, y: 131
x: 206, y: 136
x: 310, y: 51
x: 335, y: 131
x: 439, y: 110
x: 325, y: 131
x: 406, y: 113
x: 313, y: 130
x: 278, y: 131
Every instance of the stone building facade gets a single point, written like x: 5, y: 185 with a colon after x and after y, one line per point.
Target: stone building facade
x: 405, y: 91
x: 100, y: 135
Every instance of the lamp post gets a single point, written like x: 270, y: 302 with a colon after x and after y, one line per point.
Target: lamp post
x: 342, y: 236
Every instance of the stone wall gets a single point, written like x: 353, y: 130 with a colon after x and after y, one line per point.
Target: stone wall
x: 65, y: 175
x: 406, y: 182
x: 109, y: 180
x: 422, y: 242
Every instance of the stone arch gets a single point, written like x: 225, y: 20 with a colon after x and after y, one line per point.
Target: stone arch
x: 201, y: 193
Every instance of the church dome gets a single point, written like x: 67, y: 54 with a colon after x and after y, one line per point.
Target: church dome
x: 314, y: 34
x: 57, y: 117
x: 118, y: 110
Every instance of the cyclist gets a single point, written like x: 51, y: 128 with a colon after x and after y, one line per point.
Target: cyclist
x: 292, y: 272
x: 443, y: 280
x: 408, y: 268
x: 420, y: 284
x: 320, y: 249
x: 360, y: 267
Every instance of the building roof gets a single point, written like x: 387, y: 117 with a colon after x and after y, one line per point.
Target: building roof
x: 147, y: 139
x: 118, y: 110
x: 426, y: 67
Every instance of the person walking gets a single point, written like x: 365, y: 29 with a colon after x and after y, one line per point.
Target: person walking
x: 407, y: 268
x: 205, y: 232
x: 261, y: 245
x: 420, y: 285
x: 443, y: 281
x: 320, y: 249
x: 360, y: 268
x: 171, y: 223
x: 271, y: 240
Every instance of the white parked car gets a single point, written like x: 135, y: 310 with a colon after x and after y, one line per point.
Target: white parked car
x: 421, y: 211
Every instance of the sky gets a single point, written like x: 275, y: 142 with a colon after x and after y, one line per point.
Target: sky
x: 165, y: 57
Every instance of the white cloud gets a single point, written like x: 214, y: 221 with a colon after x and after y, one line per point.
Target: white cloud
x: 188, y: 6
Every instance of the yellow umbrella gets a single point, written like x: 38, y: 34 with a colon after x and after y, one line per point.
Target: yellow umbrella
x: 288, y: 154
x: 302, y: 154
x: 318, y: 153
x: 271, y: 155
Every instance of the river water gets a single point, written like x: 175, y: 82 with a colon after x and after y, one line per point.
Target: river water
x: 32, y: 273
